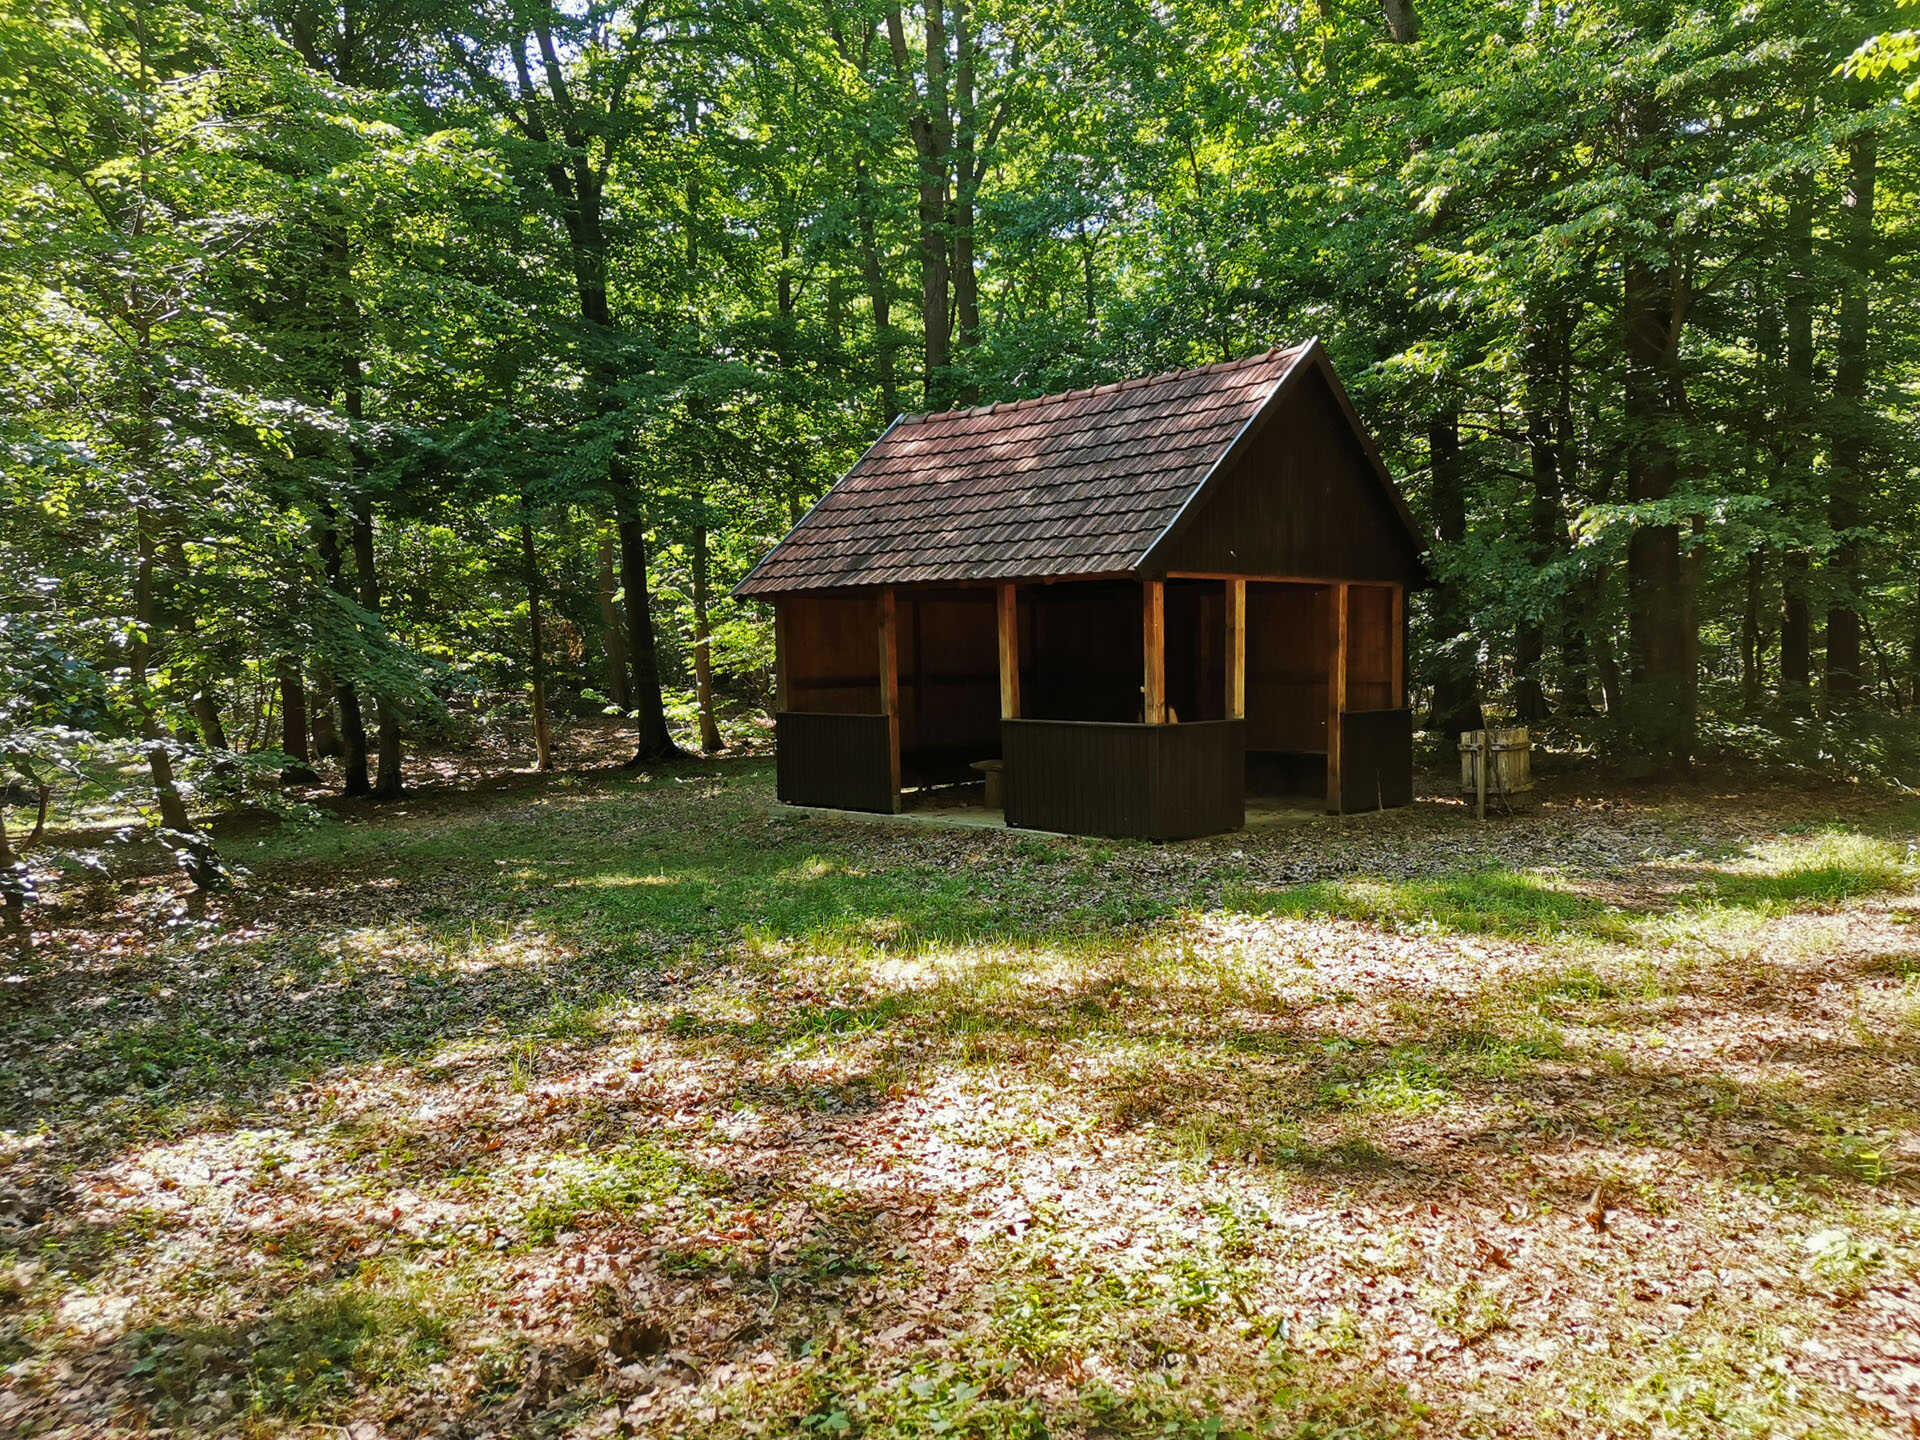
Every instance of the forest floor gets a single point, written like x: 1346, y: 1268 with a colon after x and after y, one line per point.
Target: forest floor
x: 620, y: 1103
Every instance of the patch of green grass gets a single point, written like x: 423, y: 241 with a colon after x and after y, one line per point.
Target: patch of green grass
x: 613, y: 1181
x: 1824, y: 869
x: 1408, y: 1084
x: 1487, y: 901
x: 308, y: 1351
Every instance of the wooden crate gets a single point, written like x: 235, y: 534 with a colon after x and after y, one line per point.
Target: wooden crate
x: 1510, y: 770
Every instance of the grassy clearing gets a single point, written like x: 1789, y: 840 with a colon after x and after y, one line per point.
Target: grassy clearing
x: 631, y: 1105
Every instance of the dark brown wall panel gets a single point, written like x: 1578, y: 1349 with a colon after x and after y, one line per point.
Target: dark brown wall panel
x: 1301, y: 500
x: 832, y: 653
x: 1376, y: 759
x: 1289, y: 638
x: 1369, y: 647
x: 1081, y: 651
x: 839, y: 761
x: 949, y: 659
x: 1154, y: 782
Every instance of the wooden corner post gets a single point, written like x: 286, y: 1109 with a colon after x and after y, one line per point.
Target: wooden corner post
x: 1008, y: 611
x: 890, y: 687
x: 1336, y: 692
x: 1236, y: 649
x: 1153, y: 637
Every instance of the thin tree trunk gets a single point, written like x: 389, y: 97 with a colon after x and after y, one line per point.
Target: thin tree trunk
x: 614, y: 648
x: 1546, y: 527
x: 1847, y: 481
x: 1752, y: 636
x: 206, y: 715
x: 1796, y: 618
x: 653, y: 740
x: 966, y: 280
x: 931, y: 127
x: 1913, y: 647
x: 387, y: 777
x: 1607, y: 666
x: 1576, y: 663
x: 536, y: 651
x: 879, y: 297
x: 1456, y: 687
x: 293, y: 724
x: 702, y: 651
x: 352, y: 730
x: 326, y: 737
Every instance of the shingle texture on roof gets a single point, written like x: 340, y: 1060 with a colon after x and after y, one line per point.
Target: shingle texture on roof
x: 1074, y: 484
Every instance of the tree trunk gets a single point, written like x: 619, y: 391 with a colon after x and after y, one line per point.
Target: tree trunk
x: 387, y: 780
x: 1546, y: 527
x: 619, y: 689
x: 879, y: 297
x: 1661, y: 685
x: 1796, y: 617
x: 326, y: 738
x: 1847, y: 487
x: 702, y: 651
x: 1456, y: 686
x: 293, y: 724
x: 931, y: 127
x: 966, y: 281
x: 206, y: 715
x: 13, y: 887
x: 353, y: 730
x: 536, y: 651
x: 653, y: 740
x: 1752, y: 636
x: 1913, y: 647
x: 1403, y: 23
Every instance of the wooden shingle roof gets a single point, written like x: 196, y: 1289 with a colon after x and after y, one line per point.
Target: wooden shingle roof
x: 1083, y: 483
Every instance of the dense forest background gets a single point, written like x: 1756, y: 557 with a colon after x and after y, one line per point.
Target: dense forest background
x: 384, y: 369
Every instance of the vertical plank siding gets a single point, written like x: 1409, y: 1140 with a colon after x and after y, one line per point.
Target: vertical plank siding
x: 1153, y: 782
x: 1302, y: 500
x: 1376, y: 748
x: 844, y: 762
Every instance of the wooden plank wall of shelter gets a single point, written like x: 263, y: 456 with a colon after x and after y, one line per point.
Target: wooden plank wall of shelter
x: 836, y: 734
x: 829, y: 656
x: 949, y: 682
x: 1301, y: 500
x: 1080, y: 653
x: 1371, y: 681
x: 837, y: 760
x: 1141, y: 781
x: 1376, y: 749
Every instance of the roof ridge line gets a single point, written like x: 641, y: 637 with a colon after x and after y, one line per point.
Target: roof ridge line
x: 1133, y: 383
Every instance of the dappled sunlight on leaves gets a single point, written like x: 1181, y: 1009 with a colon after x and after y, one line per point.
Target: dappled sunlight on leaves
x: 696, y: 1115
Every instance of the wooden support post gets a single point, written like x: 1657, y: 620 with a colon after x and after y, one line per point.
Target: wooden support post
x: 1398, y: 642
x: 782, y: 657
x: 890, y: 687
x: 1236, y: 649
x: 1009, y: 626
x: 1153, y: 636
x: 1336, y: 693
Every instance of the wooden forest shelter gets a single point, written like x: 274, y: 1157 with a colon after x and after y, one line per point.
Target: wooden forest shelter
x: 1146, y: 600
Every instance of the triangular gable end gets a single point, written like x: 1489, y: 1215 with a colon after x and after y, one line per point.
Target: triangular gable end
x: 1301, y: 493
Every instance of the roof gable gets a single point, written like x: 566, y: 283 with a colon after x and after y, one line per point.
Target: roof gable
x: 1085, y: 483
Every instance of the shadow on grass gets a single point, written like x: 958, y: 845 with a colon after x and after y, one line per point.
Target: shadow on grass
x: 1484, y: 901
x: 512, y: 950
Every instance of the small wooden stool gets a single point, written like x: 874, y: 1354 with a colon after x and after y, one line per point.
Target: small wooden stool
x: 994, y: 773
